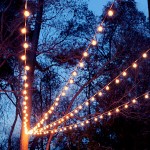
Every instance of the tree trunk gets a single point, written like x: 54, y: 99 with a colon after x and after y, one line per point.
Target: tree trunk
x: 31, y: 62
x: 49, y: 142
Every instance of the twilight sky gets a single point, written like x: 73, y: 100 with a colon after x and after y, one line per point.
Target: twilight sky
x: 97, y: 6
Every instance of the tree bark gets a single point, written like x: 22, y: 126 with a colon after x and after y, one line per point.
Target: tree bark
x: 31, y: 62
x: 49, y: 142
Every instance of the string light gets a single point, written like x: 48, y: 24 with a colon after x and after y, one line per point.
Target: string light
x: 23, y: 57
x: 134, y: 65
x: 81, y: 64
x: 144, y: 55
x: 82, y: 123
x: 110, y: 13
x: 86, y: 104
x: 146, y: 96
x: 23, y: 30
x: 100, y: 29
x: 94, y: 42
x: 124, y: 73
x: 100, y: 93
x: 117, y: 81
x: 26, y: 13
x: 107, y: 87
x: 74, y: 73
x: 85, y: 54
x: 25, y: 45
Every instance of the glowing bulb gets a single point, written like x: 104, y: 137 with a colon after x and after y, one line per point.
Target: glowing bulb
x: 86, y: 121
x: 134, y: 65
x: 70, y: 128
x: 76, y: 111
x: 26, y: 13
x: 87, y: 103
x: 101, y: 116
x: 26, y: 85
x: 92, y: 99
x: 60, y: 130
x: 82, y: 124
x: 57, y: 99
x: 117, y: 81
x: 80, y: 107
x: 25, y: 45
x: 65, y: 128
x: 71, y: 81
x: 146, y: 96
x: 95, y: 119
x: 27, y: 68
x: 62, y: 119
x: 24, y: 103
x: 56, y: 104
x: 52, y: 108
x: 144, y: 55
x: 24, y: 92
x: 110, y: 13
x: 23, y: 30
x: 134, y: 101
x: 85, y: 54
x: 23, y: 57
x: 126, y: 106
x: 124, y: 74
x: 67, y: 117
x: 100, y: 93
x: 63, y: 93
x: 25, y: 77
x: 25, y: 107
x: 109, y: 113
x: 100, y: 29
x: 75, y: 125
x: 74, y: 73
x: 26, y: 97
x: 66, y: 88
x: 117, y: 110
x: 81, y: 64
x: 94, y: 42
x: 49, y: 111
x: 24, y: 111
x: 107, y: 88
x: 71, y: 114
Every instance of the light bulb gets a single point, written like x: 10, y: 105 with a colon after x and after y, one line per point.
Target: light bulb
x: 26, y: 97
x: 117, y: 110
x: 80, y: 107
x: 82, y: 124
x: 63, y: 94
x: 87, y: 103
x: 134, y: 65
x: 85, y: 54
x: 86, y: 121
x: 26, y: 13
x: 101, y: 116
x: 81, y: 64
x: 109, y: 113
x: 25, y: 45
x: 95, y: 119
x: 134, y: 101
x: 71, y: 81
x: 67, y: 117
x: 71, y: 114
x: 100, y: 29
x: 56, y: 104
x: 57, y: 99
x: 94, y: 42
x: 26, y: 85
x: 124, y: 74
x: 27, y: 68
x: 23, y: 57
x: 110, y: 13
x: 24, y: 77
x: 70, y: 128
x: 52, y: 108
x: 74, y: 73
x: 49, y: 111
x: 23, y: 30
x: 117, y: 81
x: 126, y: 106
x: 25, y: 107
x: 92, y: 99
x: 76, y: 111
x: 107, y: 88
x: 100, y: 93
x: 62, y: 119
x: 66, y: 88
x: 146, y: 96
x: 75, y: 125
x: 24, y: 92
x: 144, y: 55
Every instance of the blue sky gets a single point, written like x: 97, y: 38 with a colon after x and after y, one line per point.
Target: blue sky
x: 97, y: 6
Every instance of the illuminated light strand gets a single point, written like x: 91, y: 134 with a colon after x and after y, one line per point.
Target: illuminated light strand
x: 96, y: 118
x: 74, y: 72
x: 99, y: 93
x: 26, y: 68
